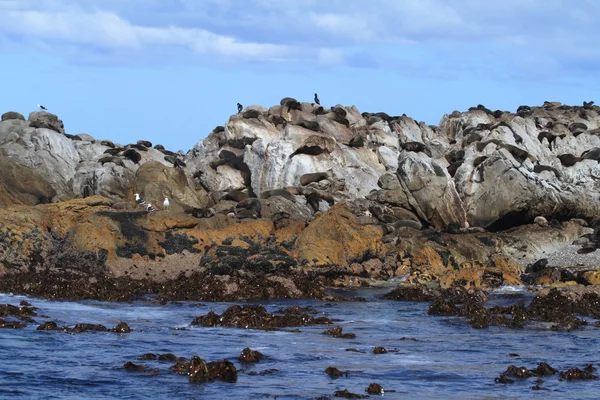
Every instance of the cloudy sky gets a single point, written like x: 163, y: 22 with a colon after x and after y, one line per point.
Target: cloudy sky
x: 168, y: 71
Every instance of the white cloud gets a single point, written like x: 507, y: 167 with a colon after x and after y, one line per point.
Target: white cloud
x: 316, y: 32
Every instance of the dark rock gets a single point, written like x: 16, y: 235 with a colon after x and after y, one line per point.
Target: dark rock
x: 80, y: 328
x: 169, y: 357
x: 336, y: 332
x: 334, y: 372
x: 133, y: 367
x: 357, y: 141
x: 543, y: 369
x: 132, y: 155
x: 576, y: 373
x: 11, y: 324
x: 375, y: 388
x: 199, y: 371
x: 122, y: 327
x: 257, y: 317
x: 517, y: 372
x: 379, y: 350
x: 348, y: 395
x: 49, y: 326
x: 145, y: 143
x: 250, y: 356
x: 12, y: 115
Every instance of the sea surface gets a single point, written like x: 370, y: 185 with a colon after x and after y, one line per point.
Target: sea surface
x: 447, y: 360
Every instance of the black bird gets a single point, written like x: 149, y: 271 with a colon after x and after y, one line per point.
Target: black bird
x: 240, y: 108
x: 317, y: 99
x: 41, y: 107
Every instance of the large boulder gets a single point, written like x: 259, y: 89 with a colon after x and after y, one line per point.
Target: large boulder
x: 46, y: 120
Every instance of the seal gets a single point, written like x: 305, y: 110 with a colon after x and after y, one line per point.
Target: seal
x: 337, y: 118
x: 108, y: 143
x: 177, y: 163
x: 453, y: 167
x: 311, y: 125
x: 519, y: 154
x: 477, y: 161
x: 357, y: 141
x: 249, y: 114
x: 591, y: 154
x: 471, y: 138
x: 416, y: 147
x: 278, y: 192
x: 112, y: 152
x: 339, y: 111
x: 250, y: 204
x: 235, y: 195
x: 132, y: 155
x: 550, y: 137
x: 313, y: 199
x: 454, y: 156
x: 244, y: 214
x: 291, y: 103
x: 568, y: 160
x: 136, y: 146
x: 577, y: 126
x: 313, y: 177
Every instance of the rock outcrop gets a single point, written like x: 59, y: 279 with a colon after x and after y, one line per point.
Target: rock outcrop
x: 280, y: 197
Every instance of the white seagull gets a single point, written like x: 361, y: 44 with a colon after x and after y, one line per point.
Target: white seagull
x: 166, y: 203
x: 138, y: 199
x: 41, y: 107
x: 149, y: 208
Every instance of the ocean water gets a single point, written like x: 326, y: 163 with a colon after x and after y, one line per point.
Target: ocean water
x: 448, y: 359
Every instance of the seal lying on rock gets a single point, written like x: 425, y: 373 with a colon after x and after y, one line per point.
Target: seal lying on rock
x: 357, y: 141
x: 591, y: 154
x: 247, y: 208
x: 313, y: 177
x: 313, y: 199
x: 235, y: 195
x: 568, y: 160
x: 132, y: 155
x: 312, y: 125
x: 277, y: 192
x: 416, y: 147
x: 249, y: 114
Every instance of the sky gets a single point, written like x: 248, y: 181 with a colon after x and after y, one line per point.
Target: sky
x: 169, y: 71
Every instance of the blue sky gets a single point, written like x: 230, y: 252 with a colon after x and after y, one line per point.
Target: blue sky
x: 169, y: 71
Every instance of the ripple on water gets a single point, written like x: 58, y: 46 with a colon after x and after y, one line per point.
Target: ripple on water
x: 437, y: 357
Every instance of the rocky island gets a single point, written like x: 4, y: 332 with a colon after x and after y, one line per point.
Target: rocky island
x: 290, y: 201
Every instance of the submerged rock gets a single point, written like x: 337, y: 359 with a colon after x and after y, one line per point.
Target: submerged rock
x: 257, y: 317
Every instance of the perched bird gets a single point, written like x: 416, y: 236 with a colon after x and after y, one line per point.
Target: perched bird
x: 240, y: 107
x: 41, y: 107
x: 166, y: 203
x: 149, y: 208
x: 317, y: 99
x: 138, y: 199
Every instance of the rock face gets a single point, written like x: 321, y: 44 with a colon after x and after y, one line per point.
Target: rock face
x: 477, y: 168
x: 44, y: 164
